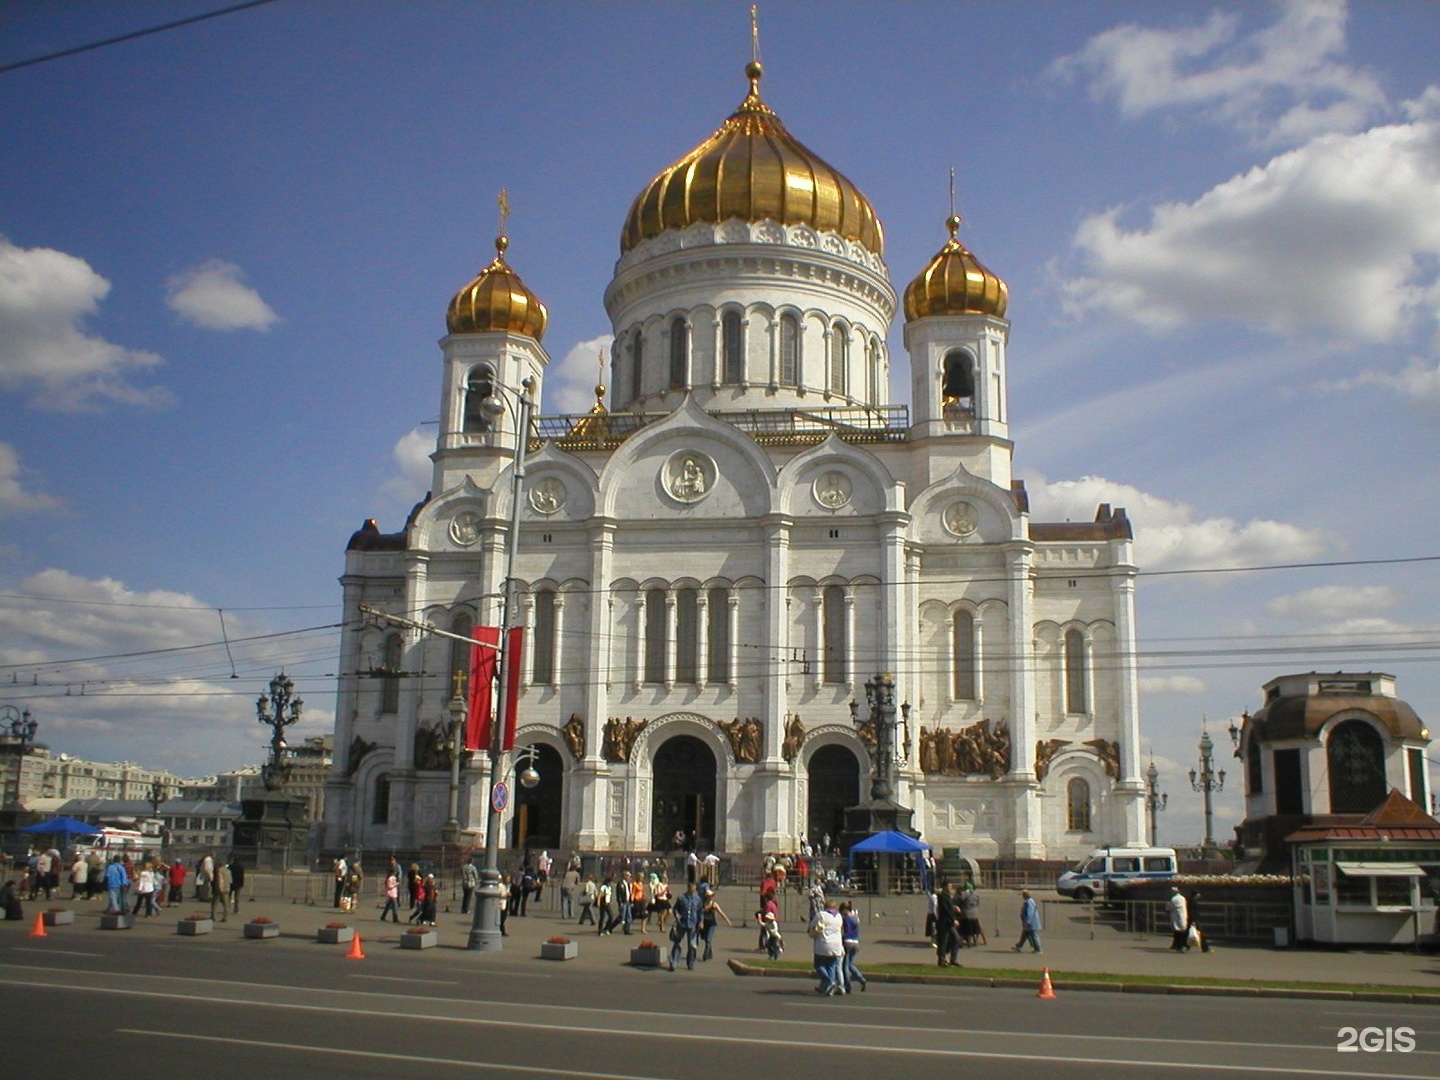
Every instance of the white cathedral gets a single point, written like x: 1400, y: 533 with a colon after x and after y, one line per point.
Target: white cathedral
x: 713, y: 564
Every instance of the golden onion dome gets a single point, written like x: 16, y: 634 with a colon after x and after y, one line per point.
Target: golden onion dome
x: 752, y: 168
x: 954, y: 283
x: 497, y: 300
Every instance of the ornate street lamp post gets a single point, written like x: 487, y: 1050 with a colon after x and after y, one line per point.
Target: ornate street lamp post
x: 1207, y: 781
x: 450, y: 834
x: 278, y: 711
x: 485, y: 928
x: 1154, y: 800
x: 22, y: 731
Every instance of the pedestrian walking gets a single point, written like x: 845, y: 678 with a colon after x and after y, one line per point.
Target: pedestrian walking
x: 947, y: 929
x: 589, y: 893
x: 710, y: 914
x: 850, y: 940
x: 827, y: 931
x: 1179, y: 911
x: 688, y: 912
x: 469, y: 882
x: 392, y: 897
x: 1029, y: 923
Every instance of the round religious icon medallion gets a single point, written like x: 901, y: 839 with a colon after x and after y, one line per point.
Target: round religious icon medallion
x: 832, y: 490
x: 688, y: 476
x: 465, y: 528
x: 961, y: 518
x: 547, y: 496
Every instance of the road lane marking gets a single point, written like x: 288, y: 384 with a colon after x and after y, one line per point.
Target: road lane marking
x: 58, y: 952
x: 403, y: 978
x: 382, y: 1056
x: 797, y: 1044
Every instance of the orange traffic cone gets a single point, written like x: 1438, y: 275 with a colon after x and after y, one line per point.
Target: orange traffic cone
x: 1046, y: 990
x: 39, y: 928
x: 356, y: 952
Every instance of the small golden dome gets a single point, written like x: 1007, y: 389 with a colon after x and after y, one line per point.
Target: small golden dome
x: 497, y: 300
x: 954, y: 283
x: 752, y: 168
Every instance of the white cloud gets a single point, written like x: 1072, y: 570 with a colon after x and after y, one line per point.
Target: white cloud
x: 412, y: 453
x: 214, y: 296
x: 570, y: 383
x: 1418, y: 380
x: 1281, y: 85
x: 14, y: 498
x: 145, y: 675
x: 1340, y: 237
x: 1328, y: 603
x: 45, y: 296
x: 1168, y: 536
x: 1186, y: 685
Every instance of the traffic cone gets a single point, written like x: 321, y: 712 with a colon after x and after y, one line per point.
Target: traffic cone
x: 356, y: 952
x: 39, y: 928
x: 1046, y: 990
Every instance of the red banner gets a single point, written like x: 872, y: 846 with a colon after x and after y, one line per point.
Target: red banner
x: 514, y: 664
x: 482, y: 688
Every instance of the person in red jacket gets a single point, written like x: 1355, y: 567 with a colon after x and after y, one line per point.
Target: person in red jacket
x: 177, y: 881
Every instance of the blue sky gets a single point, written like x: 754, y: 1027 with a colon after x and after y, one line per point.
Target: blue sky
x: 226, y: 252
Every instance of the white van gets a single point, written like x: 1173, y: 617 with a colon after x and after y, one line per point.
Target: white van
x: 110, y: 841
x: 1104, y: 865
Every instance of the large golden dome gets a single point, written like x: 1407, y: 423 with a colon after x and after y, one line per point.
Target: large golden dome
x: 955, y: 283
x: 497, y: 300
x: 752, y: 169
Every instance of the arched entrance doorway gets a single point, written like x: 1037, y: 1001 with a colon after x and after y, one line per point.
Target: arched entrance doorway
x: 536, y: 823
x: 834, y: 785
x: 684, y: 770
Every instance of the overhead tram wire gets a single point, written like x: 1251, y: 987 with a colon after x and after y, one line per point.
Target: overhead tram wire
x: 119, y: 38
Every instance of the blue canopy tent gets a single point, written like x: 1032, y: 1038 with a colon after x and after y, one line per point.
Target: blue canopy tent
x: 65, y: 827
x: 885, y: 846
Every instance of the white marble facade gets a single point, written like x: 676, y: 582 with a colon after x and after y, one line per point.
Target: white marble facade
x: 726, y: 555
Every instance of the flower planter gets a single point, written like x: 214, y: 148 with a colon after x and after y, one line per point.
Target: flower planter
x: 59, y: 918
x: 645, y: 957
x: 262, y: 930
x: 550, y: 950
x: 116, y: 922
x: 335, y: 935
x: 419, y: 939
x: 194, y: 927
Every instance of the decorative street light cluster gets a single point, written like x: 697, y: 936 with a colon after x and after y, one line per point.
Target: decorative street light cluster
x: 1154, y: 800
x: 278, y: 710
x: 1208, y: 782
x: 21, y: 727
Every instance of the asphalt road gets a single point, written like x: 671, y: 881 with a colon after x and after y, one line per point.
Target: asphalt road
x: 291, y: 1008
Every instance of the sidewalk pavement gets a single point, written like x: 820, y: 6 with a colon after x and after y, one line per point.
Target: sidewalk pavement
x: 1108, y: 951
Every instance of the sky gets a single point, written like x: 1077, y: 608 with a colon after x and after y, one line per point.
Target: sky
x: 226, y: 250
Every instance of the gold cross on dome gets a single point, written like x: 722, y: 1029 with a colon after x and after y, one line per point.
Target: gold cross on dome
x: 754, y: 35
x: 504, y: 200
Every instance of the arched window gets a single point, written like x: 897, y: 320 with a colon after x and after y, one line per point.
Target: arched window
x: 655, y: 636
x: 836, y: 663
x: 459, y: 656
x: 637, y: 365
x: 1077, y: 806
x: 717, y: 614
x: 390, y: 675
x: 964, y: 656
x: 789, y: 370
x: 542, y: 652
x: 687, y: 636
x: 1356, y: 755
x: 958, y: 385
x: 380, y: 801
x: 679, y: 350
x: 1077, y: 693
x: 478, y: 386
x: 839, y: 360
x: 874, y: 369
x: 732, y: 346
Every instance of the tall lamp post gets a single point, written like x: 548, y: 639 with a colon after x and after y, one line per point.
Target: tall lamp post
x: 485, y: 928
x: 1154, y: 800
x: 450, y: 834
x: 1207, y: 781
x: 22, y: 730
x: 278, y: 710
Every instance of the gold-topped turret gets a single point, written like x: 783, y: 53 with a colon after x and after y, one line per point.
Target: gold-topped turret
x: 752, y: 169
x: 955, y: 283
x: 497, y: 300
